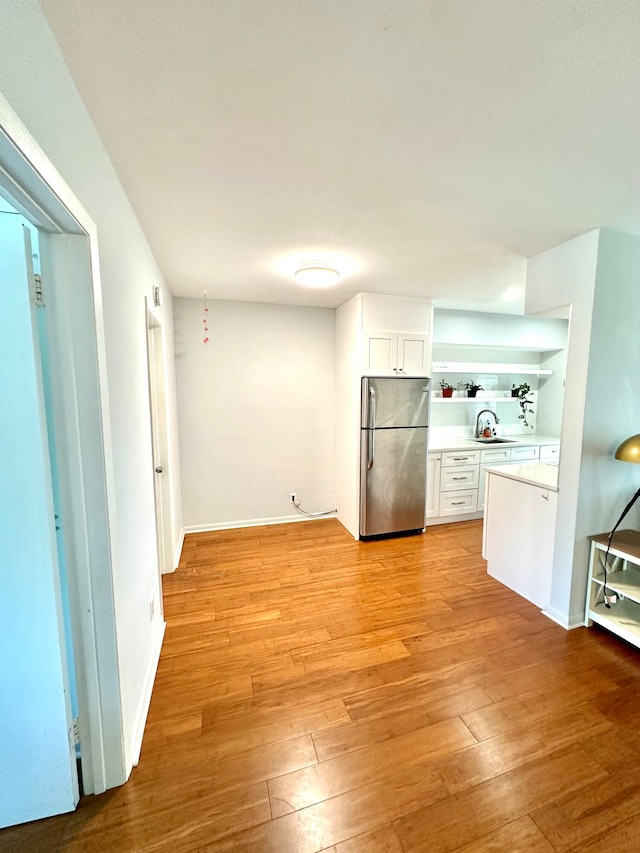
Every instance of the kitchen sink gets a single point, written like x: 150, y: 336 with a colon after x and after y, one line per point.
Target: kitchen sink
x: 495, y: 440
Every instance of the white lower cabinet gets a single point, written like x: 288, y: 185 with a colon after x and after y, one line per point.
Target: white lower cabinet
x: 495, y: 456
x: 433, y: 484
x: 457, y: 503
x: 455, y: 492
x: 525, y: 454
x: 456, y: 482
x: 517, y: 515
x: 550, y: 453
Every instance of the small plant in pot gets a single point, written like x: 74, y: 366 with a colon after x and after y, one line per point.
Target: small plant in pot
x: 471, y: 388
x: 447, y: 388
x: 521, y: 391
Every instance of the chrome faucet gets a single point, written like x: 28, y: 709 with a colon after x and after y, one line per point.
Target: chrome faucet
x: 479, y: 429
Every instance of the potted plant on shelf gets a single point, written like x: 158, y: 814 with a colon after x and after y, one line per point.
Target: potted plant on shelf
x: 526, y: 404
x: 470, y: 387
x: 447, y: 388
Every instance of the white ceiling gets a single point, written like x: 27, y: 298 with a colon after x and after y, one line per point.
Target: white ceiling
x: 427, y: 147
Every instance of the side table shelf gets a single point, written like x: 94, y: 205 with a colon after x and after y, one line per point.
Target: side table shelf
x: 622, y: 617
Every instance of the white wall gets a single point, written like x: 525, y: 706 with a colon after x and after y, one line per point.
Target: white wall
x: 256, y: 411
x: 498, y: 330
x: 560, y: 276
x: 612, y: 405
x: 598, y: 275
x: 36, y: 83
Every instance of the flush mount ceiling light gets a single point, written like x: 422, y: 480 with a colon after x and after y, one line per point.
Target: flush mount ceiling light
x: 317, y: 274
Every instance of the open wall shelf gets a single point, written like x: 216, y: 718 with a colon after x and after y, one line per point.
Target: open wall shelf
x: 488, y: 367
x: 492, y: 399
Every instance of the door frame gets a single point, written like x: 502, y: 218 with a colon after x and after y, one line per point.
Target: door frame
x: 159, y: 439
x: 38, y: 191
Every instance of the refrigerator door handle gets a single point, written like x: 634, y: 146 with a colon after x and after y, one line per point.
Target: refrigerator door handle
x: 371, y: 433
x: 372, y: 407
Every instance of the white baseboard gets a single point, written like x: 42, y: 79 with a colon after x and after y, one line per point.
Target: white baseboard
x: 561, y: 619
x: 145, y: 697
x: 250, y: 522
x: 434, y: 521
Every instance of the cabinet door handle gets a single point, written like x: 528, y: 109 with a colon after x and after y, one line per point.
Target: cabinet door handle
x: 460, y: 458
x: 457, y: 503
x: 459, y: 478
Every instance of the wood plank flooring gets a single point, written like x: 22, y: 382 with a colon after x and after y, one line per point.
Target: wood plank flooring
x: 320, y: 694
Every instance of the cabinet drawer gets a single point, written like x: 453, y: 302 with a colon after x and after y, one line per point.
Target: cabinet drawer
x: 490, y: 457
x: 518, y: 454
x: 461, y: 457
x: 550, y: 453
x: 459, y: 477
x: 458, y: 503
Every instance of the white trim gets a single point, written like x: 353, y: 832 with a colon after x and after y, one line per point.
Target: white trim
x: 177, y: 554
x: 561, y: 619
x: 25, y: 169
x: 249, y: 522
x: 437, y: 520
x: 158, y: 420
x: 145, y: 697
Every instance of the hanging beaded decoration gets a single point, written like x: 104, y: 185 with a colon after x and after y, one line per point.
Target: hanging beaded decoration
x: 205, y: 319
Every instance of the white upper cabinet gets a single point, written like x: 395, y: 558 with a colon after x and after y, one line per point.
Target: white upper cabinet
x: 395, y: 354
x: 396, y: 336
x: 397, y: 313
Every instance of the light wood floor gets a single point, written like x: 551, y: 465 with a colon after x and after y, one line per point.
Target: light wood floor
x: 315, y: 693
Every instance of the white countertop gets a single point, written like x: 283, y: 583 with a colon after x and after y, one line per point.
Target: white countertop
x: 451, y: 443
x: 534, y: 473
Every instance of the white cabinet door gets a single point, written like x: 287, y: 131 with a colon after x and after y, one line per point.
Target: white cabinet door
x: 493, y: 457
x: 461, y: 457
x: 433, y: 484
x: 396, y: 354
x: 458, y: 477
x: 457, y: 503
x: 380, y: 353
x: 414, y: 354
x: 550, y: 453
x: 525, y: 454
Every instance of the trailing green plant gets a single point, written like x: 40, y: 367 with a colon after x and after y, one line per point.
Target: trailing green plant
x: 526, y: 405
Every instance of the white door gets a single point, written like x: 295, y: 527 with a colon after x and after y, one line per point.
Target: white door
x: 38, y: 774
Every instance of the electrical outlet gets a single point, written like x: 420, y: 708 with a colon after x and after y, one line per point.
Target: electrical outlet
x: 292, y: 497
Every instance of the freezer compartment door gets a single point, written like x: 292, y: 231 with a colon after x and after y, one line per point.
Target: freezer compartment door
x: 393, y: 479
x: 394, y: 402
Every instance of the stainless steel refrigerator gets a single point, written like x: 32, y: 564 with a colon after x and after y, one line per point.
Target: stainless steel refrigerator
x: 393, y: 454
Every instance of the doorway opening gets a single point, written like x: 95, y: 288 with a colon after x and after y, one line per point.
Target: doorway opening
x: 80, y: 457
